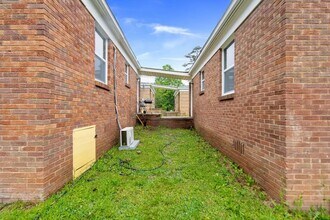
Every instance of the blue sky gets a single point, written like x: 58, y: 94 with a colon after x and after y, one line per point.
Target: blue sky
x: 162, y: 31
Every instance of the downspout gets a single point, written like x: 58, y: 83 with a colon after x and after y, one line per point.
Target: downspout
x: 191, y: 97
x: 138, y: 86
x: 115, y: 88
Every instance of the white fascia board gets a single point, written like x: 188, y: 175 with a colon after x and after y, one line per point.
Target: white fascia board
x: 235, y: 15
x: 164, y: 87
x: 164, y: 73
x: 108, y: 23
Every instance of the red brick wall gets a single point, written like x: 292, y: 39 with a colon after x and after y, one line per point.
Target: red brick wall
x: 47, y: 90
x: 308, y: 102
x: 24, y: 98
x: 280, y: 109
x: 256, y: 115
x: 156, y: 120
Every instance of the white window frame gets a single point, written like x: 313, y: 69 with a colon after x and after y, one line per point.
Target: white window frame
x: 202, y: 77
x: 127, y: 67
x: 103, y: 59
x: 224, y: 48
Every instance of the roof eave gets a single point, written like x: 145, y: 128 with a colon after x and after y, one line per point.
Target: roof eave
x: 116, y: 30
x: 164, y: 73
x: 234, y: 16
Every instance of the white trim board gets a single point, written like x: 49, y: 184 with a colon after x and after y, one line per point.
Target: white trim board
x: 108, y: 23
x: 164, y: 73
x: 235, y: 15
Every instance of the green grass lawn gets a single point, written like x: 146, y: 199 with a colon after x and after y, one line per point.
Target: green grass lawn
x: 174, y: 174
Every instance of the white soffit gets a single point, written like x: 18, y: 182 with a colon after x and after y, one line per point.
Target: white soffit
x: 106, y: 20
x: 164, y: 73
x: 165, y: 87
x: 235, y: 15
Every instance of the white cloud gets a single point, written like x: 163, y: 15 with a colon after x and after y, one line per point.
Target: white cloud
x: 130, y: 20
x: 144, y: 56
x: 158, y: 28
x: 173, y: 43
x: 174, y: 59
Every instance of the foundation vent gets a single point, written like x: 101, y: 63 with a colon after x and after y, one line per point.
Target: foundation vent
x: 239, y: 146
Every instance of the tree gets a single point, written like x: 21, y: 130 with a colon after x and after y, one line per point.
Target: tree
x: 192, y: 56
x: 165, y: 97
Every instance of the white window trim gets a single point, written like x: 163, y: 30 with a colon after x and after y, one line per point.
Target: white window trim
x: 225, y: 70
x: 226, y: 28
x: 106, y: 57
x: 105, y: 20
x: 127, y: 67
x: 202, y: 87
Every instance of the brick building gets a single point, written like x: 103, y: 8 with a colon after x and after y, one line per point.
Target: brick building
x: 261, y: 95
x: 259, y: 92
x: 57, y: 75
x: 147, y: 92
x: 182, y: 101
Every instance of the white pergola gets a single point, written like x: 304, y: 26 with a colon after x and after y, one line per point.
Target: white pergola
x: 164, y: 73
x: 164, y: 87
x: 143, y: 71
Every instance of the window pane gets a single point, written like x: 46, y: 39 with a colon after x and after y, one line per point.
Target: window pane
x: 230, y: 56
x: 229, y: 80
x: 100, y: 70
x: 99, y: 45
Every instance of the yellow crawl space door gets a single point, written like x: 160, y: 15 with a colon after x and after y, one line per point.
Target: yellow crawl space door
x: 84, y: 149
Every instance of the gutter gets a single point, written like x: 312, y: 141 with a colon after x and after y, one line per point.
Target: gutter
x: 236, y: 14
x: 165, y: 73
x: 116, y: 30
x: 216, y: 30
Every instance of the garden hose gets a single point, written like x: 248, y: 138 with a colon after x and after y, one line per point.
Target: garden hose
x: 126, y: 164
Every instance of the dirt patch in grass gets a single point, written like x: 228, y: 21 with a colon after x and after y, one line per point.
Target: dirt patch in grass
x: 174, y: 174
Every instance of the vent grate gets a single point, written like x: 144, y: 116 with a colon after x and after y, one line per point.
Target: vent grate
x: 239, y: 146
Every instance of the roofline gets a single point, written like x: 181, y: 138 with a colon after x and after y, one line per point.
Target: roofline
x: 216, y: 30
x: 118, y: 36
x: 173, y: 71
x: 164, y: 87
x: 121, y: 32
x: 164, y: 73
x: 234, y: 16
x: 229, y: 19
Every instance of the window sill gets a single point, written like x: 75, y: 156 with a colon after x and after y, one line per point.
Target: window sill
x: 227, y: 97
x: 202, y: 93
x: 102, y: 85
x: 127, y: 85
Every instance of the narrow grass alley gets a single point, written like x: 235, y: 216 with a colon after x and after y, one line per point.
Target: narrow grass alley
x: 173, y: 174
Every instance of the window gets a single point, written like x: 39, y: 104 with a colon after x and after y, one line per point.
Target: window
x: 228, y: 76
x: 126, y: 74
x: 202, y: 81
x: 100, y: 58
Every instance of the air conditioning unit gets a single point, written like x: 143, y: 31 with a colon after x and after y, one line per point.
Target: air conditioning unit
x: 127, y: 141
